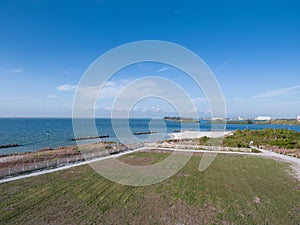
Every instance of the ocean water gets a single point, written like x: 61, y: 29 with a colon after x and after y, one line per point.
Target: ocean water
x: 37, y: 133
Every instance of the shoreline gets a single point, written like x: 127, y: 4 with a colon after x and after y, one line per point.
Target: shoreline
x: 184, y: 134
x: 70, y: 156
x: 293, y: 163
x: 188, y: 134
x: 60, y: 132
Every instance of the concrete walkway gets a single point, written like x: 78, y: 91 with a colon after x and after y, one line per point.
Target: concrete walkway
x: 294, y: 162
x: 277, y: 155
x: 66, y: 167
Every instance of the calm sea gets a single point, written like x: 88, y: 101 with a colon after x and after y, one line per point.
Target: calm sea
x: 38, y: 133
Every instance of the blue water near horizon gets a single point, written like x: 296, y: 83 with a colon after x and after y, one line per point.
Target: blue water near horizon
x: 31, y: 133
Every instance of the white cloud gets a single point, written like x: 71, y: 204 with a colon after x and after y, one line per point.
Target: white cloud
x: 108, y: 91
x: 168, y: 95
x: 65, y: 72
x: 277, y: 92
x: 12, y: 98
x: 15, y: 70
x: 147, y: 109
x: 52, y: 96
x: 67, y: 87
x: 152, y: 95
x: 236, y: 100
x: 220, y: 67
x: 199, y: 100
x: 112, y: 88
x: 155, y: 109
x: 163, y: 69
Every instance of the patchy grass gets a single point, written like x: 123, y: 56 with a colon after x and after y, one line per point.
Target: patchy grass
x: 233, y: 190
x: 282, y: 138
x: 281, y: 141
x: 143, y: 158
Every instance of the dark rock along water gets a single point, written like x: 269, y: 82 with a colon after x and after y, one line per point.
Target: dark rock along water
x: 38, y: 133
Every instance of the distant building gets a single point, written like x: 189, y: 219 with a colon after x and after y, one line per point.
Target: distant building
x: 298, y: 118
x: 263, y: 118
x: 241, y: 118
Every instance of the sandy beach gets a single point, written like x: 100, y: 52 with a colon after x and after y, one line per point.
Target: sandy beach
x: 187, y: 134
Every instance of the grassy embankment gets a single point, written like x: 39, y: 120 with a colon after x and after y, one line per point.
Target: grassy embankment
x: 181, y: 119
x: 233, y: 190
x: 280, y: 121
x: 279, y: 140
x: 248, y: 121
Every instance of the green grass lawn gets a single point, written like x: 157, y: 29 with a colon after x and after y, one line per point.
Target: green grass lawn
x: 233, y: 190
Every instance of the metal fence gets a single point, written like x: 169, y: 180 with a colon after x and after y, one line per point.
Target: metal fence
x: 55, y: 163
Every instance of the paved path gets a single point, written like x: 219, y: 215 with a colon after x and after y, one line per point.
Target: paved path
x: 295, y: 163
x: 207, y: 151
x: 280, y: 156
x: 66, y: 167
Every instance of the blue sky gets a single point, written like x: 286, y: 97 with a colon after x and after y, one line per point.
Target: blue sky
x: 252, y: 47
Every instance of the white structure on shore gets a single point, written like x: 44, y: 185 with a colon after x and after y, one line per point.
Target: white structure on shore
x: 298, y: 118
x: 264, y: 118
x: 217, y: 118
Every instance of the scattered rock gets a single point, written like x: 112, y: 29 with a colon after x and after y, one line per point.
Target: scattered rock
x: 90, y: 137
x: 9, y: 146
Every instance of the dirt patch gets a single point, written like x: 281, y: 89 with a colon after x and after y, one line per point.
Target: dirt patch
x: 49, y: 158
x: 295, y: 171
x: 137, y: 160
x: 157, y: 151
x: 37, y: 156
x: 176, y: 213
x: 182, y: 175
x: 294, y: 167
x: 167, y: 151
x: 290, y: 152
x: 155, y: 209
x: 144, y: 158
x: 198, y: 154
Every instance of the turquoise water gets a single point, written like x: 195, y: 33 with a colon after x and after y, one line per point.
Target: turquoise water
x: 38, y: 133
